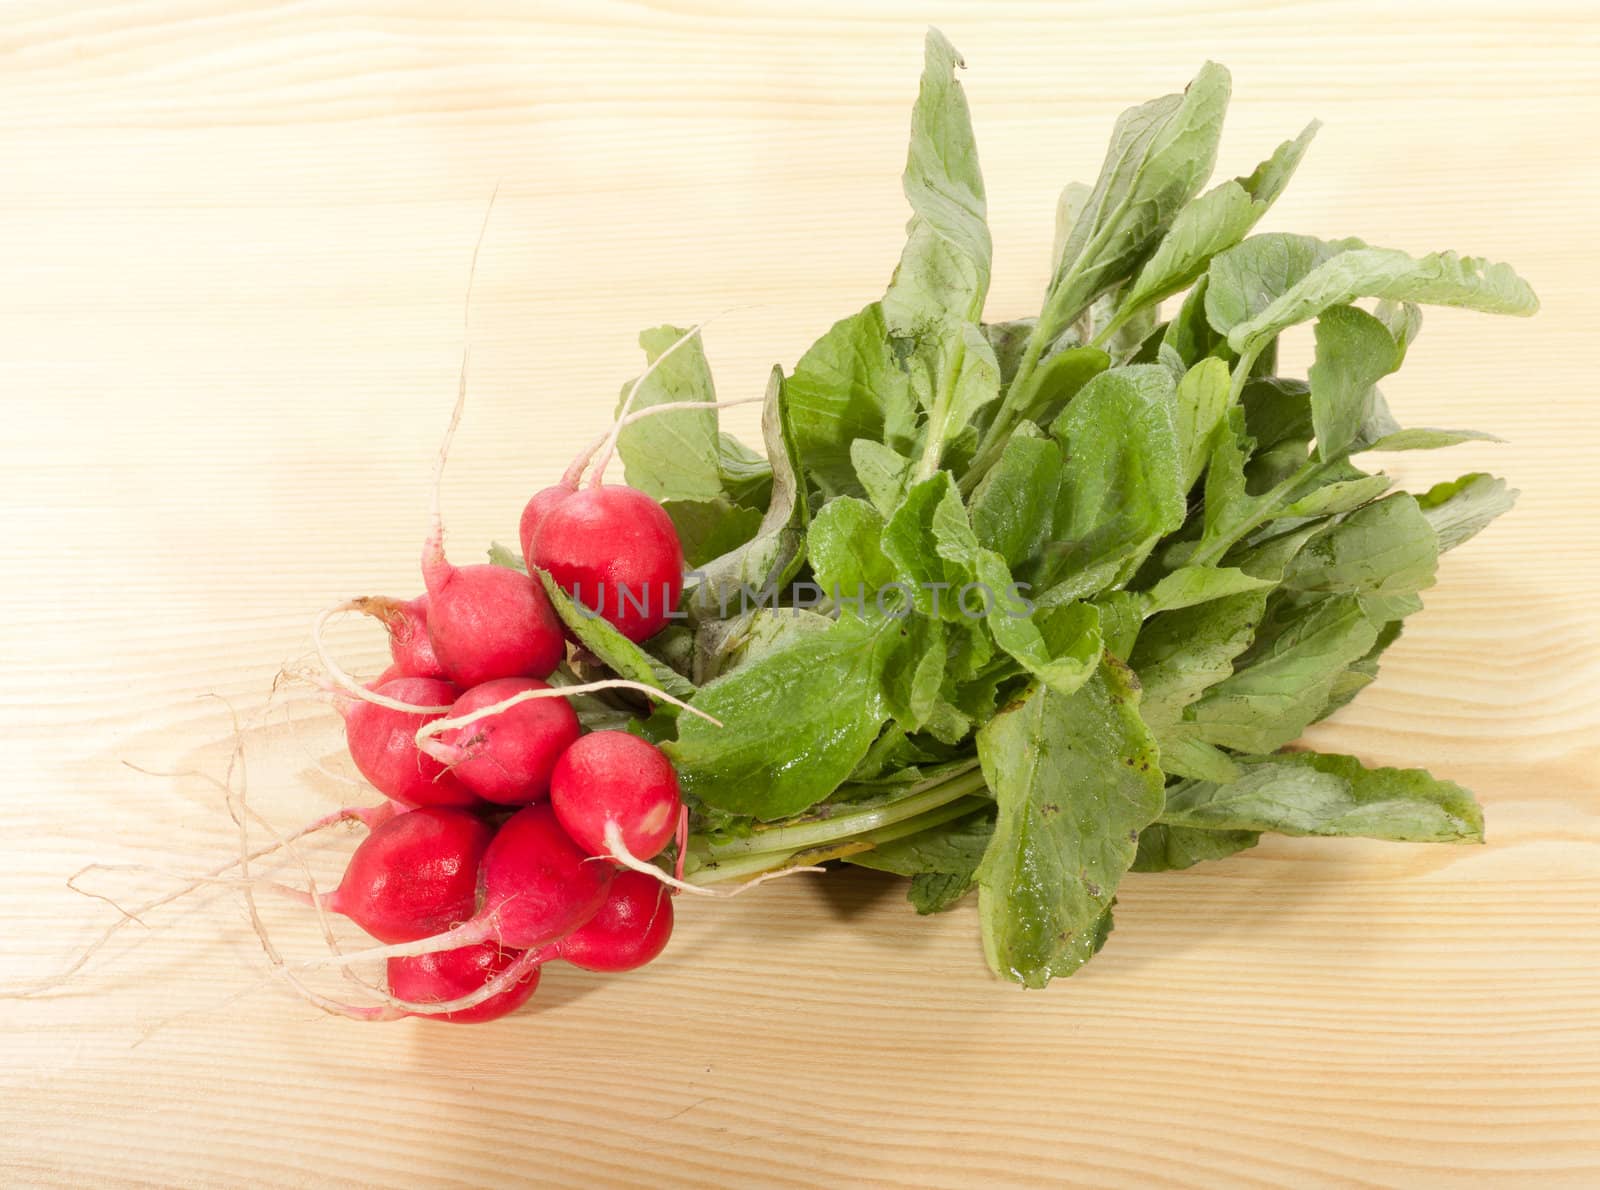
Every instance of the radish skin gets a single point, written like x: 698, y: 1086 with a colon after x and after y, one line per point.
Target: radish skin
x: 616, y: 552
x: 451, y: 974
x: 612, y: 777
x: 628, y: 931
x: 383, y: 744
x: 506, y: 758
x: 537, y: 887
x: 415, y: 876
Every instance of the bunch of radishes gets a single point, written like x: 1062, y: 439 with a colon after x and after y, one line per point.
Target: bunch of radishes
x: 511, y: 838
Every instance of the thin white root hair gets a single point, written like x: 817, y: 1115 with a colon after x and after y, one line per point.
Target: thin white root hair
x: 610, y: 446
x: 574, y: 473
x: 620, y: 853
x: 428, y: 730
x: 436, y: 515
x: 139, y: 913
x: 467, y: 934
x: 343, y: 680
x: 394, y: 1008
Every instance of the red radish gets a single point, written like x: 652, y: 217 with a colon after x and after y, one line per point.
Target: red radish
x: 450, y: 974
x: 507, y: 757
x: 537, y: 509
x: 409, y: 643
x: 488, y: 622
x: 616, y: 794
x: 383, y: 744
x: 615, y: 550
x: 537, y: 887
x: 415, y: 875
x: 631, y: 928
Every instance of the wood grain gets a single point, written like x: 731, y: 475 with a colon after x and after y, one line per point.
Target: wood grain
x: 237, y: 236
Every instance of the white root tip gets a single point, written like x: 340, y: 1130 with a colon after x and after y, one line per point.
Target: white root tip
x: 620, y: 853
x: 343, y: 680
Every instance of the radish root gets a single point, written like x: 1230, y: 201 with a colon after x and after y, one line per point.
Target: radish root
x: 343, y: 679
x: 620, y: 853
x: 574, y: 474
x: 445, y: 754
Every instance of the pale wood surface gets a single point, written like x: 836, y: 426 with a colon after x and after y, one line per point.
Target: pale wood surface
x: 236, y: 238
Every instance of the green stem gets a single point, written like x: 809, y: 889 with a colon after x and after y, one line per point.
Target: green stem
x: 938, y: 431
x: 1263, y: 508
x: 839, y: 827
x: 744, y: 867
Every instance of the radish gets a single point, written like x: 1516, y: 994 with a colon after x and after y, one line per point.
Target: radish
x: 488, y: 622
x: 616, y: 795
x: 534, y: 513
x: 409, y: 643
x: 451, y: 974
x: 383, y: 744
x: 415, y: 875
x: 630, y: 929
x: 615, y: 550
x: 506, y: 758
x: 536, y: 887
x: 485, y: 621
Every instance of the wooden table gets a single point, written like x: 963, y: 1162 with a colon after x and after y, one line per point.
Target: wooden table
x: 237, y: 238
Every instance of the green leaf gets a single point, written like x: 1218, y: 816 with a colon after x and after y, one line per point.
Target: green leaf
x: 1214, y: 222
x: 504, y: 555
x: 884, y: 473
x: 1161, y: 154
x: 1268, y: 180
x: 1283, y: 681
x: 1310, y: 793
x: 1070, y: 205
x: 1248, y: 278
x: 1058, y: 379
x: 942, y: 861
x: 929, y: 543
x: 1121, y: 616
x: 795, y: 724
x: 1343, y: 495
x: 1202, y: 396
x: 1460, y: 509
x: 937, y: 554
x: 1440, y: 279
x: 746, y: 475
x: 1184, y: 754
x: 615, y: 651
x: 673, y: 456
x: 963, y: 380
x: 1354, y: 352
x: 1189, y: 335
x: 849, y: 386
x: 722, y: 645
x: 944, y: 273
x: 1075, y: 778
x: 1006, y: 506
x: 1189, y: 585
x: 1181, y: 654
x: 771, y: 557
x: 1123, y: 486
x: 1404, y: 320
x: 911, y: 661
x: 1427, y: 438
x: 1164, y: 848
x: 843, y: 545
x: 1385, y: 548
x: 708, y: 529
